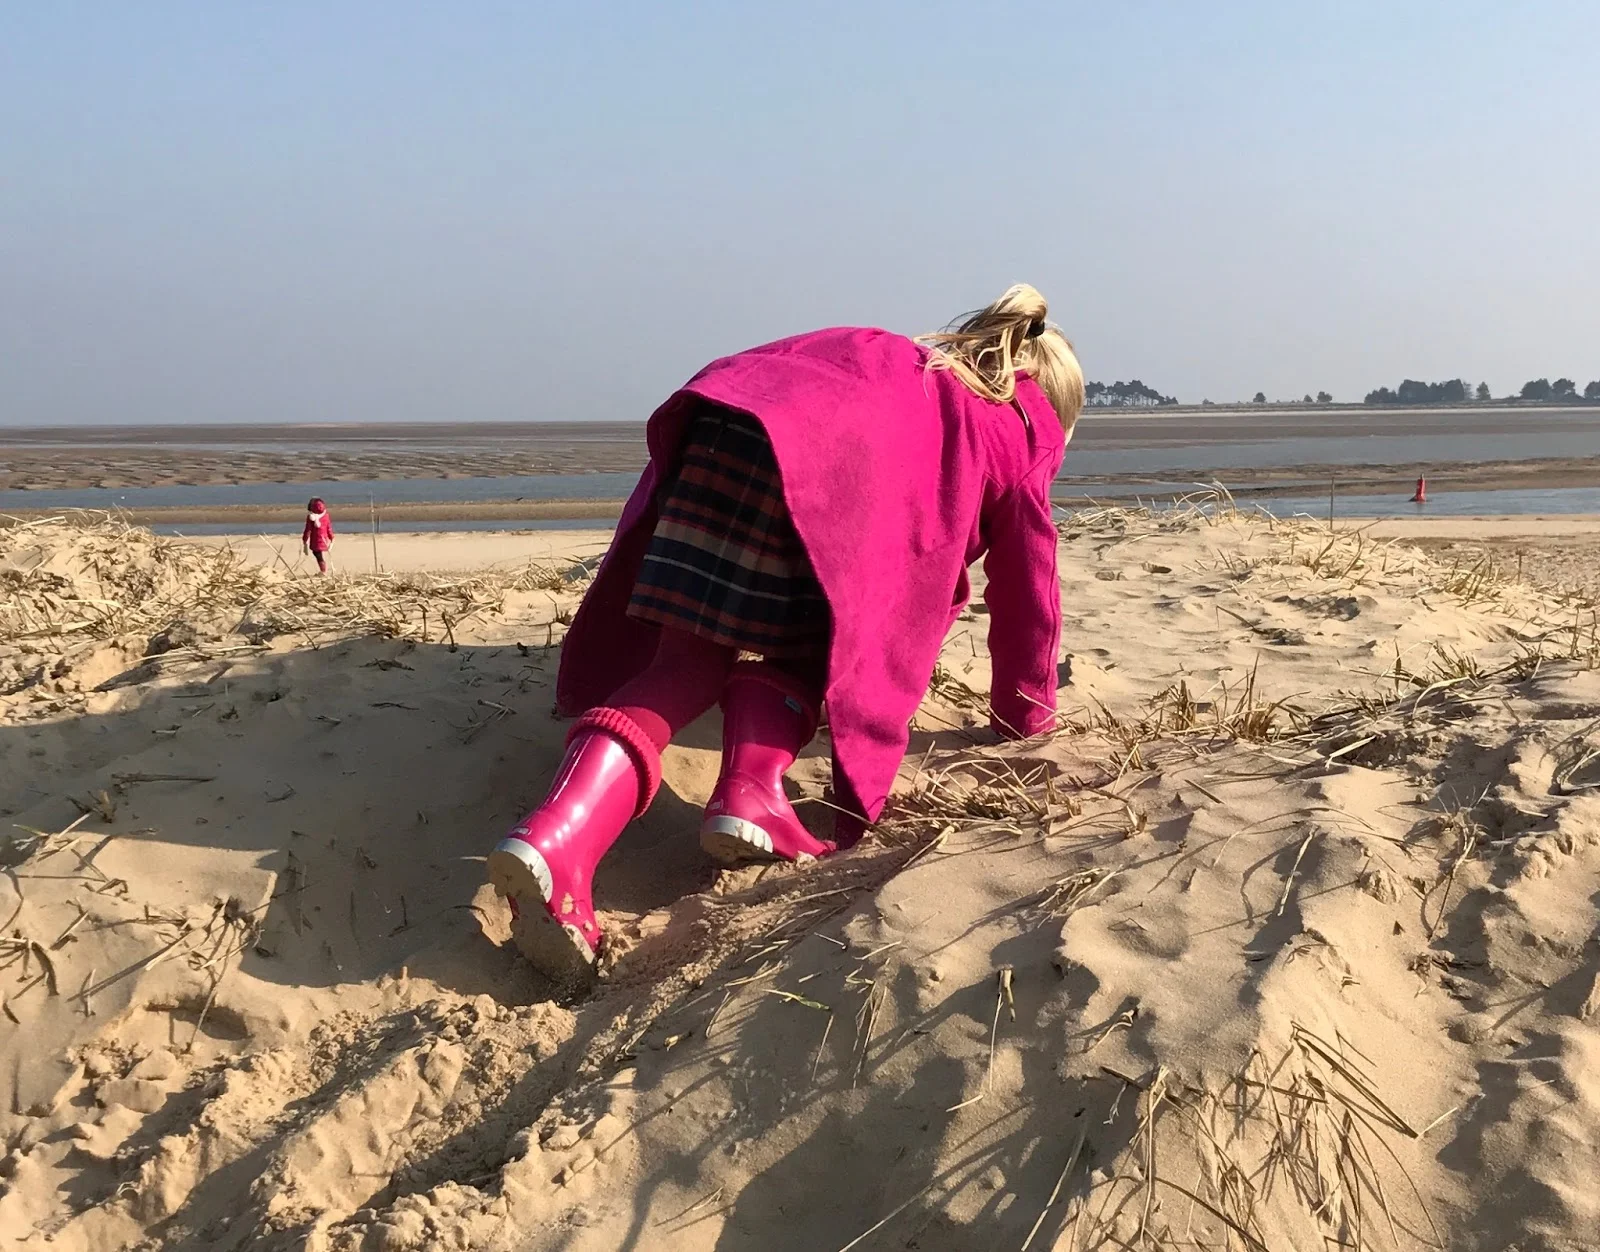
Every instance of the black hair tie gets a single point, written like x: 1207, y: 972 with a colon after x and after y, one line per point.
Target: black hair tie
x: 1035, y: 328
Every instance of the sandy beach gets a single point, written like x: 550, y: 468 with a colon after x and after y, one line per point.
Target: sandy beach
x: 1560, y: 554
x: 1287, y: 938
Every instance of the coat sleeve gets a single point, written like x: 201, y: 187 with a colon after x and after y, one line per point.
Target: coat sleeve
x: 307, y: 531
x: 1024, y: 600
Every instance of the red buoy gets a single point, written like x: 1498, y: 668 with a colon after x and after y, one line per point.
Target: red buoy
x: 1422, y: 492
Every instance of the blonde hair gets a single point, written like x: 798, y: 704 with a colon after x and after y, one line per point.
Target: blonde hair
x: 986, y: 350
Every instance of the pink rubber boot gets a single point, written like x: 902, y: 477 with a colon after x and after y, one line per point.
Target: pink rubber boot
x: 767, y: 717
x: 545, y: 866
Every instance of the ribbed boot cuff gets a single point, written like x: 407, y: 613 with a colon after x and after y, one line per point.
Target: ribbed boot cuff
x: 640, y: 747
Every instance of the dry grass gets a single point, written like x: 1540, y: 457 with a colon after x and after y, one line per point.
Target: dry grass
x: 951, y: 690
x: 975, y: 790
x: 1560, y: 568
x: 1233, y: 712
x: 1448, y: 687
x: 94, y: 577
x: 1307, y: 1132
x: 1179, y: 718
x: 1479, y: 582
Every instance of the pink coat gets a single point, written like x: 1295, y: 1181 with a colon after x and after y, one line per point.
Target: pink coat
x: 897, y: 478
x: 318, y: 532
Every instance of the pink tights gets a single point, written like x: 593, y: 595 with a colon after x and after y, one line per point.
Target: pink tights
x: 684, y: 679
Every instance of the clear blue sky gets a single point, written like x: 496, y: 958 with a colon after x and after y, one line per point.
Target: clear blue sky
x: 387, y: 211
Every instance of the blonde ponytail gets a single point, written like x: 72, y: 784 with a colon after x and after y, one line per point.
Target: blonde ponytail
x: 988, y: 349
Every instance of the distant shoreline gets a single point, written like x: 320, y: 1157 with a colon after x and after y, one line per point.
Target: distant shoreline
x: 454, y: 433
x: 1244, y: 484
x: 424, y: 511
x: 1109, y: 446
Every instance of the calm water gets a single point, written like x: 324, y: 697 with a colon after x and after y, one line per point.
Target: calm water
x: 1369, y: 449
x: 1163, y: 453
x: 1554, y: 500
x: 342, y: 497
x: 1160, y: 463
x: 1099, y: 430
x: 351, y: 502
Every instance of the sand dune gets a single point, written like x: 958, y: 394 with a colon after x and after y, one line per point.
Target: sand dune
x: 439, y: 551
x: 1289, y: 938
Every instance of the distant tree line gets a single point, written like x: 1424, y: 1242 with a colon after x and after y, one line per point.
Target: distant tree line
x: 1457, y: 391
x: 1410, y: 392
x: 1452, y: 391
x: 1322, y: 398
x: 1125, y: 395
x: 1563, y: 389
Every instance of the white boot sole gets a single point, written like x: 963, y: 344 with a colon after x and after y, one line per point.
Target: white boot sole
x: 518, y: 871
x: 735, y: 841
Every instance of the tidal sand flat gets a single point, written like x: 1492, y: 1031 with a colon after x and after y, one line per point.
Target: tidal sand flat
x: 175, y: 474
x: 1287, y: 937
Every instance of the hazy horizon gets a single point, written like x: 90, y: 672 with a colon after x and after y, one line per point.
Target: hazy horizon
x: 509, y: 213
x: 1575, y: 410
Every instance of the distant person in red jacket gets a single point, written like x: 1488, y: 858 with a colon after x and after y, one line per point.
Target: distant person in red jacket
x: 317, y: 537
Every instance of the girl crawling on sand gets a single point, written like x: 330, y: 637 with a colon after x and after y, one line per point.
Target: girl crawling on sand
x: 317, y: 537
x: 814, y: 503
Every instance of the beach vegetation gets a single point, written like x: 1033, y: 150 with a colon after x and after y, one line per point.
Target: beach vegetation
x: 1411, y: 391
x: 1562, y: 391
x: 1457, y: 391
x: 1131, y: 394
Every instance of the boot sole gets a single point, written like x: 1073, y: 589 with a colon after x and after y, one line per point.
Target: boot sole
x: 734, y: 841
x: 560, y: 952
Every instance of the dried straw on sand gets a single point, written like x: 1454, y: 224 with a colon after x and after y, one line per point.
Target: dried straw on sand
x: 1288, y: 938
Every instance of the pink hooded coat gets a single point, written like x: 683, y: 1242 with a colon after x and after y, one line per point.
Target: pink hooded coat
x: 317, y: 534
x: 898, y: 478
